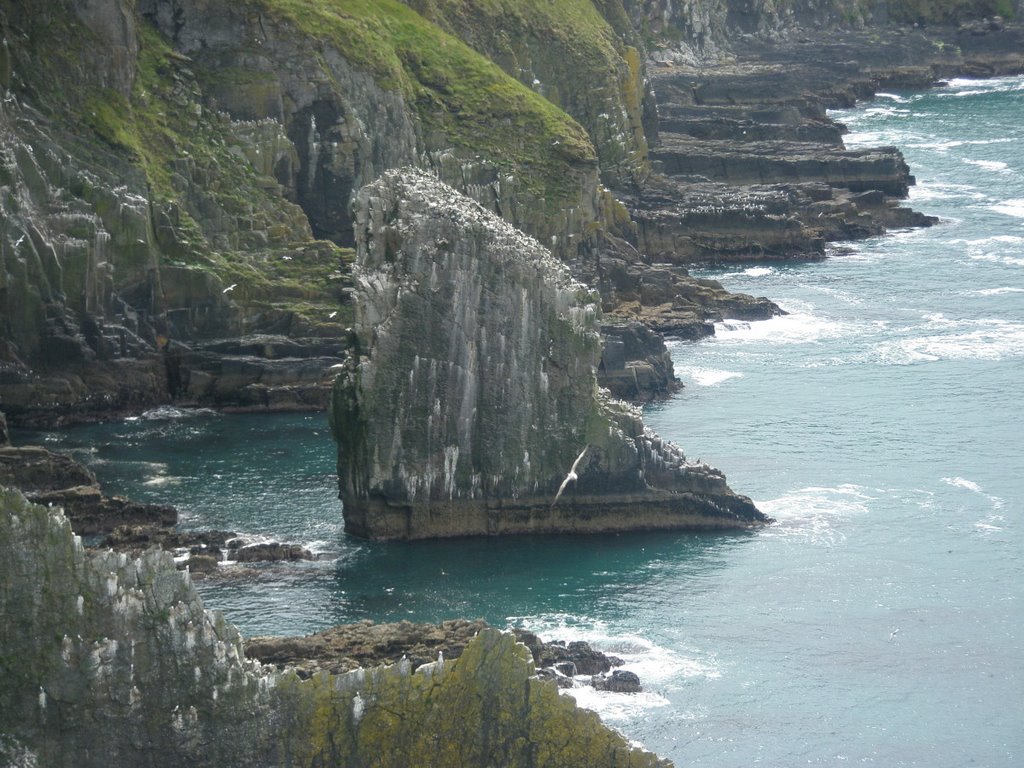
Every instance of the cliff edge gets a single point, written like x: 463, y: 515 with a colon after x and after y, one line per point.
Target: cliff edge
x: 472, y: 405
x: 108, y: 661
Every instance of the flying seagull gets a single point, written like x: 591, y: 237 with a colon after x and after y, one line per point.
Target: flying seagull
x: 570, y: 477
x: 229, y: 288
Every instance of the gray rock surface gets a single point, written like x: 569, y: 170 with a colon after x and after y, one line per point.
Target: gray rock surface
x: 475, y: 393
x: 109, y: 661
x: 55, y: 479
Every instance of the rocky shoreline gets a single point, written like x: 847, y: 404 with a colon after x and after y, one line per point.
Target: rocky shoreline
x: 114, y: 661
x: 177, y: 229
x: 745, y: 165
x: 347, y: 647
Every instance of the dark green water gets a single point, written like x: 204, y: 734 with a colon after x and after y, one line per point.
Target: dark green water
x: 879, y: 622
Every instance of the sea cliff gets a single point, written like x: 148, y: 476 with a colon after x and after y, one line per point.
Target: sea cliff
x: 472, y: 406
x: 108, y: 661
x: 177, y: 226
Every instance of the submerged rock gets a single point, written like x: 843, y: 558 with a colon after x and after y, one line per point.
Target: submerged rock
x: 109, y: 661
x: 473, y: 408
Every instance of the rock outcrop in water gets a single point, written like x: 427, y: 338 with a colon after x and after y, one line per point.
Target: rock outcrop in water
x: 55, y: 479
x: 473, y: 393
x: 349, y: 646
x: 108, y: 661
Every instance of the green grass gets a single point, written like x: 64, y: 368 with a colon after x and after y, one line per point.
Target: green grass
x: 584, y: 65
x: 459, y: 95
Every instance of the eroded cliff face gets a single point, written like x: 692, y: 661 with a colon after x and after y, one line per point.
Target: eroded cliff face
x: 179, y: 175
x: 170, y: 162
x: 108, y: 661
x: 584, y: 57
x: 474, y: 390
x: 140, y: 225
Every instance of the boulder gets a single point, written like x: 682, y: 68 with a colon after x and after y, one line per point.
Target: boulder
x: 271, y: 552
x: 619, y: 681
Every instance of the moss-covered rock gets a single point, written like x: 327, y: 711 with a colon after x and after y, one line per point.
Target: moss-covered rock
x: 569, y: 52
x: 108, y: 661
x: 136, y: 216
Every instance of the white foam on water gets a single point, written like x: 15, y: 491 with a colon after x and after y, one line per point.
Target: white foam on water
x: 998, y: 258
x: 990, y: 165
x: 893, y: 97
x: 992, y: 521
x: 858, y: 138
x: 1013, y: 208
x: 983, y: 242
x: 1001, y: 249
x: 886, y: 111
x: 985, y: 339
x: 960, y: 482
x: 655, y: 665
x: 162, y: 480
x: 707, y: 377
x: 748, y: 272
x: 945, y: 146
x: 613, y: 707
x: 652, y: 662
x: 927, y: 190
x: 814, y: 513
x: 798, y: 327
x: 973, y: 87
x: 997, y: 291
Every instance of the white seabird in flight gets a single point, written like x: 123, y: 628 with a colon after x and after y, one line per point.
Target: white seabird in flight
x: 570, y: 477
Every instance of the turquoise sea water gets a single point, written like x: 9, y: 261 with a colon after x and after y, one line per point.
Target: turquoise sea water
x: 880, y: 621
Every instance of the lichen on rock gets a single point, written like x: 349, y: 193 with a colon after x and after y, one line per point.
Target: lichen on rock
x: 110, y: 661
x: 475, y: 391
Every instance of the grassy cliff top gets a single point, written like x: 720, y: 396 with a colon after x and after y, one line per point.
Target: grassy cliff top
x: 456, y: 91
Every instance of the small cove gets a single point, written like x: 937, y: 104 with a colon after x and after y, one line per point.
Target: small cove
x: 880, y: 621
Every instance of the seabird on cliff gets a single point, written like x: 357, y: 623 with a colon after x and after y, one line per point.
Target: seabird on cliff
x: 570, y: 477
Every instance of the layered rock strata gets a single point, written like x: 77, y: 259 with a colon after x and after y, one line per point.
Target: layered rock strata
x: 109, y: 661
x: 349, y: 646
x: 168, y: 164
x: 473, y: 408
x: 140, y: 227
x: 54, y: 479
x: 748, y: 166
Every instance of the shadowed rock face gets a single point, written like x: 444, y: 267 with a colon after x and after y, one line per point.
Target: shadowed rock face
x: 55, y: 479
x: 475, y: 391
x: 108, y: 661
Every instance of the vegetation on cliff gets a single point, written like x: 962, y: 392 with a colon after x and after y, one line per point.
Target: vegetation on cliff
x: 108, y: 661
x: 462, y: 98
x: 568, y: 51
